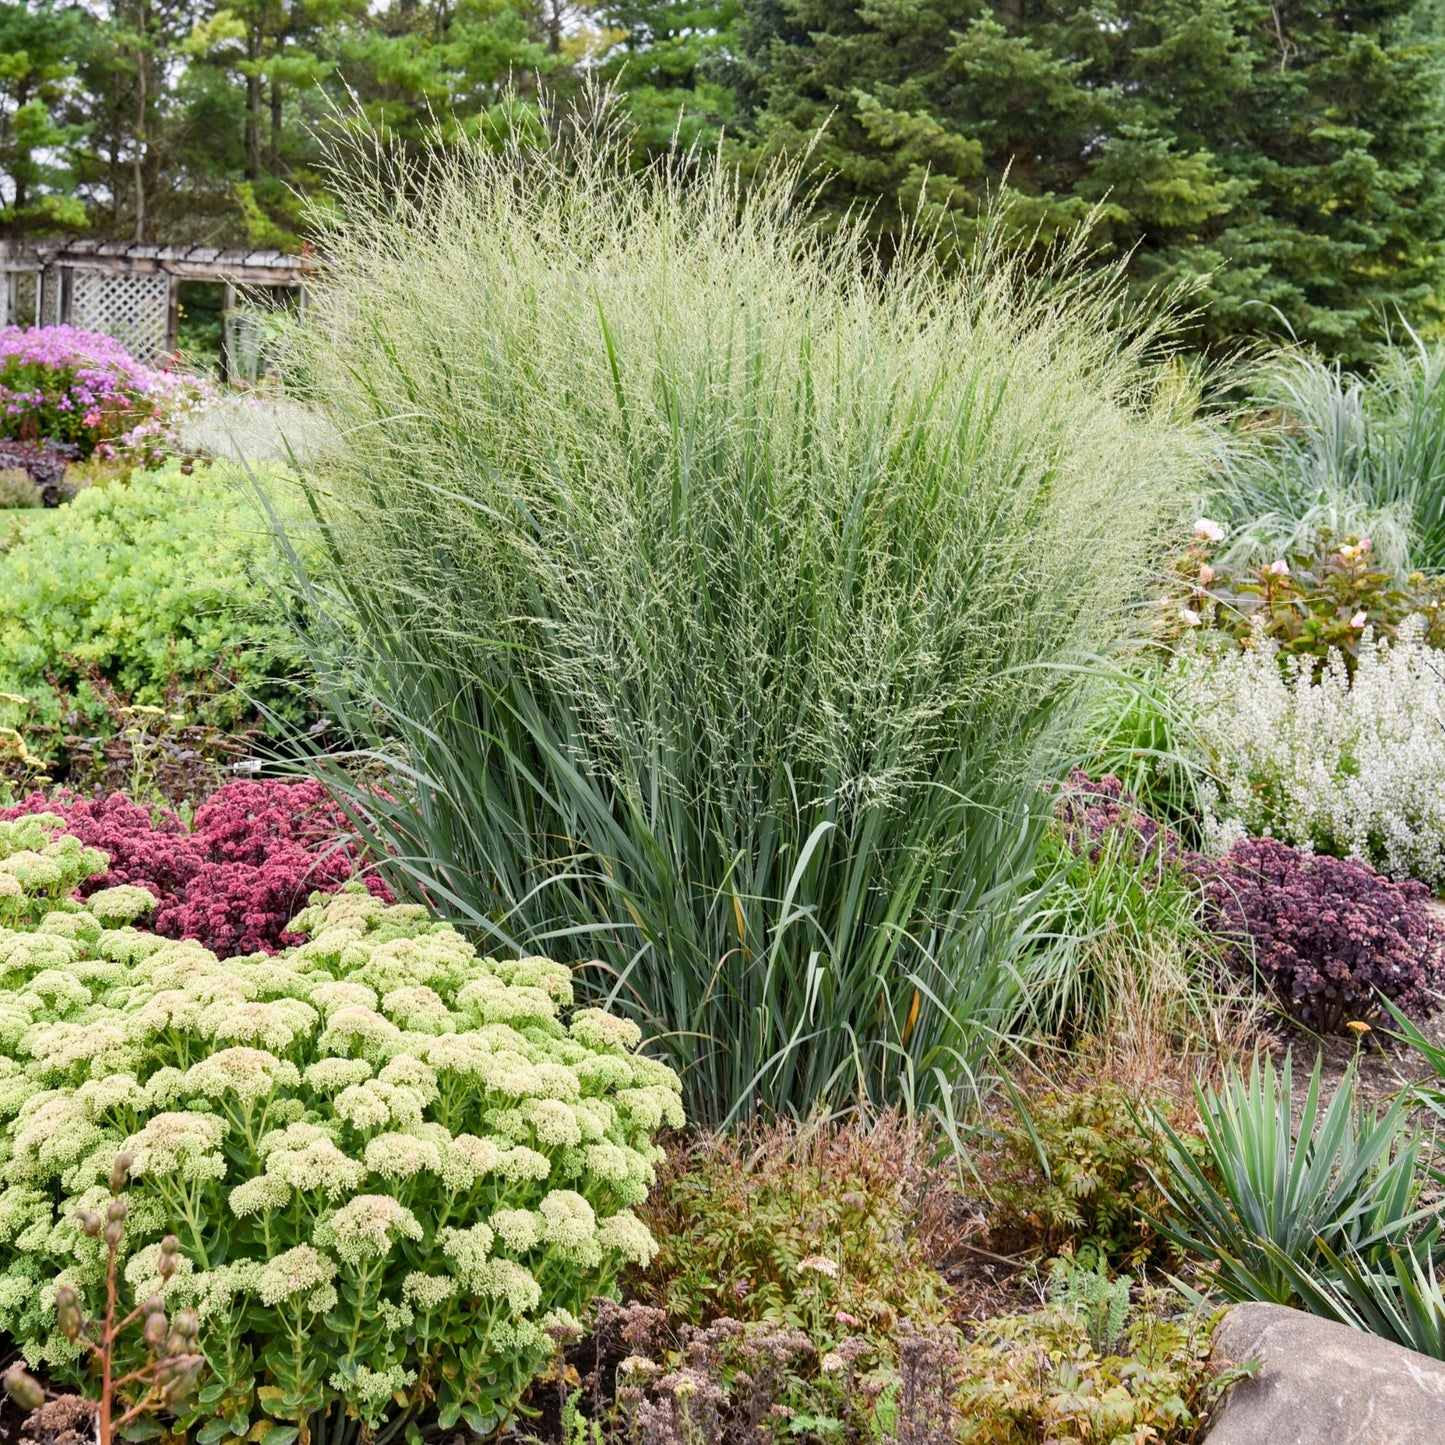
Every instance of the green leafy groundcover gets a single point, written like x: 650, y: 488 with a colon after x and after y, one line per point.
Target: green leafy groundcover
x: 152, y: 584
x: 392, y: 1164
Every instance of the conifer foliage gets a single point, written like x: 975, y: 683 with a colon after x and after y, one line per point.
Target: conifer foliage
x: 1288, y: 154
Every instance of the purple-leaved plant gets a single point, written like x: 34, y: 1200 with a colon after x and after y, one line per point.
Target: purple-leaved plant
x: 1330, y: 936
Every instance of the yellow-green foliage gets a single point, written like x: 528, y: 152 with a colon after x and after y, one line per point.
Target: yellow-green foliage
x: 1046, y: 1376
x: 151, y: 585
x: 392, y: 1164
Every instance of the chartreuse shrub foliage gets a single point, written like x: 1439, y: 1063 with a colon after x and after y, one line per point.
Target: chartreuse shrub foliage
x: 391, y: 1164
x: 153, y: 585
x: 708, y: 593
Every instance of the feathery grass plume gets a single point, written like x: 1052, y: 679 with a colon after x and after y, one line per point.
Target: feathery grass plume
x: 701, y: 589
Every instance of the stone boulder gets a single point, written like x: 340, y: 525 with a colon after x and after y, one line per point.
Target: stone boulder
x: 1321, y: 1383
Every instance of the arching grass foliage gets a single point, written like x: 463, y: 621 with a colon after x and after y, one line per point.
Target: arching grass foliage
x: 705, y: 595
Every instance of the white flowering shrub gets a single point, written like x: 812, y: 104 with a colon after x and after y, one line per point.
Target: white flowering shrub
x: 1356, y: 770
x: 392, y: 1164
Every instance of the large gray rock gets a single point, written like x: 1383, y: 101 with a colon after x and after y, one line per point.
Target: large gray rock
x: 1323, y: 1384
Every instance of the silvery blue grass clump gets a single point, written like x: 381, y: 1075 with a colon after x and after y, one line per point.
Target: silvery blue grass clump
x: 706, y: 590
x: 392, y: 1165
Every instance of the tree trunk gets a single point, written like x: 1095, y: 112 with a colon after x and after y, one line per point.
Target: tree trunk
x: 276, y: 123
x: 253, y: 107
x: 142, y: 220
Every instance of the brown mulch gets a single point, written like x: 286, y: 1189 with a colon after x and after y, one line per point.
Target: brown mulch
x: 982, y: 1281
x: 1384, y: 1066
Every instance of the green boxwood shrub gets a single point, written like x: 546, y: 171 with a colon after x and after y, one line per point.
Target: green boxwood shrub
x: 151, y: 585
x: 393, y: 1165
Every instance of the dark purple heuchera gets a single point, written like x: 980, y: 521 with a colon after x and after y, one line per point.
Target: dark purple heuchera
x: 1330, y: 936
x: 234, y: 881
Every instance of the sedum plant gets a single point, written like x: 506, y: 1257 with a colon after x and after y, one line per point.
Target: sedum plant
x: 1332, y: 938
x: 391, y: 1165
x: 172, y: 1363
x: 233, y: 879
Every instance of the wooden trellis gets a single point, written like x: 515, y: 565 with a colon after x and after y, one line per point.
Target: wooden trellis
x: 132, y: 292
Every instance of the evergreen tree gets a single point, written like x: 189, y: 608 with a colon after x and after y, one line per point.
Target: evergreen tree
x: 672, y: 61
x: 1290, y: 151
x: 38, y: 45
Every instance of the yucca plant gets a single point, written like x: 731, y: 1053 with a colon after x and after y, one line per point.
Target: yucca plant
x: 1398, y: 1298
x: 700, y: 594
x: 1431, y: 1093
x: 1268, y: 1202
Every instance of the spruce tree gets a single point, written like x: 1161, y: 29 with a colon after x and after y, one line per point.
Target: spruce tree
x: 38, y: 45
x: 671, y: 61
x: 1291, y: 153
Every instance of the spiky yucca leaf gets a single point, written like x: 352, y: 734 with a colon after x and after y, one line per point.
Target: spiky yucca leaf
x: 1263, y: 1190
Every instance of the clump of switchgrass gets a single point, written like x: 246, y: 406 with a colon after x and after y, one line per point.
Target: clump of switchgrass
x: 1122, y: 953
x: 705, y: 593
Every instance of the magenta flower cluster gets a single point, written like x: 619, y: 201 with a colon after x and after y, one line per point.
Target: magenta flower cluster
x: 61, y: 384
x: 255, y: 853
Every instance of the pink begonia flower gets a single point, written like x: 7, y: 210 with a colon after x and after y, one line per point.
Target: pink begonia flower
x: 1190, y: 616
x: 1278, y: 569
x: 1208, y: 531
x: 1364, y: 545
x: 1359, y: 620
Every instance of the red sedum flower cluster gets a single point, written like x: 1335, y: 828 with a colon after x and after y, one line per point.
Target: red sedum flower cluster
x: 234, y: 880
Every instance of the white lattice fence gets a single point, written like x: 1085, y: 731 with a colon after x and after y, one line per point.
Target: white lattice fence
x: 134, y: 309
x: 22, y: 301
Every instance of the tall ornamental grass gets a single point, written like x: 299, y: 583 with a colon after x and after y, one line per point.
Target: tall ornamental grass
x: 702, y: 597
